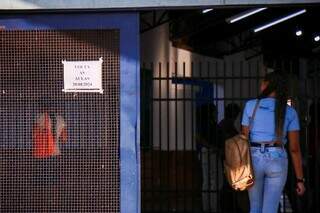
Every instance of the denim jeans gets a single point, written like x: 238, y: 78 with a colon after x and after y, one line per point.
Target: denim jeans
x: 270, y: 169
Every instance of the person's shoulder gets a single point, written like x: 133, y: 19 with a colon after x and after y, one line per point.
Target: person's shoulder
x: 291, y: 111
x: 248, y: 108
x: 251, y: 102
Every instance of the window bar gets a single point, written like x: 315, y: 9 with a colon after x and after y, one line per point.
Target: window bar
x: 153, y: 178
x: 316, y: 178
x: 194, y: 193
x: 184, y: 139
x: 199, y: 118
x: 218, y: 142
x: 162, y: 193
x: 210, y: 187
x: 176, y: 135
x: 168, y: 131
x: 240, y: 114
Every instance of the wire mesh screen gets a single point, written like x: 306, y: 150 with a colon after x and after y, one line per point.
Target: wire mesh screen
x: 59, y: 151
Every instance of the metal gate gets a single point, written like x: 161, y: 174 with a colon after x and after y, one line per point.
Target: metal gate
x: 176, y: 175
x: 85, y: 176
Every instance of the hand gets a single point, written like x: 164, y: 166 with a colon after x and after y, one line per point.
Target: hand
x: 300, y: 188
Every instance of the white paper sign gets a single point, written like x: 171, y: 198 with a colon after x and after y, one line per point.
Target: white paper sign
x: 83, y: 76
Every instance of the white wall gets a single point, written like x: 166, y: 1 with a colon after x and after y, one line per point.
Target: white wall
x: 156, y: 48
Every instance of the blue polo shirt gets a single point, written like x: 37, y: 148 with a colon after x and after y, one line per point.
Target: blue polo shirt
x: 263, y: 128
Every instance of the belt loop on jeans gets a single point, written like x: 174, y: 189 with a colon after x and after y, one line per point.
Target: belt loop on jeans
x: 262, y: 148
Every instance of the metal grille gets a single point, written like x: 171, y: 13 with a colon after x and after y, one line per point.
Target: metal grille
x: 176, y: 176
x: 85, y: 177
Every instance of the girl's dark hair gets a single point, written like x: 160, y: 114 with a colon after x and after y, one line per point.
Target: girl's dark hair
x: 277, y: 82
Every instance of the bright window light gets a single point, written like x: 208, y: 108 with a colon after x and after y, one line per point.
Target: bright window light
x: 317, y: 38
x: 244, y: 15
x: 280, y: 20
x: 206, y: 10
x: 299, y: 33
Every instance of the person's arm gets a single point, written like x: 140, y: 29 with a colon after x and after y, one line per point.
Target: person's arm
x: 245, y: 122
x: 295, y: 152
x: 64, y: 135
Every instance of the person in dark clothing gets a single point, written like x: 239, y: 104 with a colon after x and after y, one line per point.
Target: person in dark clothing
x: 207, y: 126
x: 226, y: 125
x: 231, y: 201
x: 313, y: 153
x: 48, y: 133
x: 308, y: 202
x: 208, y: 140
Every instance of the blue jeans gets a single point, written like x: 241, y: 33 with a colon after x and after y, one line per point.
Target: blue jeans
x: 270, y: 167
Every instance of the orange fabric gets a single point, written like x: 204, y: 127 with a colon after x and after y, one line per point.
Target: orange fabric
x: 64, y: 135
x: 43, y: 140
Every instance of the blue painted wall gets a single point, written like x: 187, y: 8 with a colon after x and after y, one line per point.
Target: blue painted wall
x: 128, y: 24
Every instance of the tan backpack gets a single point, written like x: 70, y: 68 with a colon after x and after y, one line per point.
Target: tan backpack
x: 238, y: 165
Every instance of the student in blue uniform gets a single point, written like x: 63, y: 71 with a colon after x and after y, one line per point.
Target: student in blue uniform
x: 274, y: 122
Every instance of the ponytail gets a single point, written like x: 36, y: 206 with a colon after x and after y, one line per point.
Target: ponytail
x: 277, y: 83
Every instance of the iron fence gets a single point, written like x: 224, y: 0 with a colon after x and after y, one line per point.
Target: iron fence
x: 179, y: 176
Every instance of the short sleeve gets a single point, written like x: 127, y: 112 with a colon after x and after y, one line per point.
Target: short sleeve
x: 245, y: 116
x: 294, y: 121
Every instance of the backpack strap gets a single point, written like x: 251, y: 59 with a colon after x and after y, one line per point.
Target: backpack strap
x: 253, y: 116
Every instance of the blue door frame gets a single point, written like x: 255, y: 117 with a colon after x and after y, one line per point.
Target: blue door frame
x: 128, y: 24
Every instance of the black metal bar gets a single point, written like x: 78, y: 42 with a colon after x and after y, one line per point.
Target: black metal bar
x: 152, y: 142
x: 154, y: 17
x: 168, y: 190
x: 242, y: 107
x: 250, y: 80
x: 143, y: 125
x: 284, y: 194
x: 176, y: 132
x: 316, y: 178
x: 199, y: 117
x: 211, y: 78
x: 192, y: 142
x: 184, y: 138
x: 232, y: 97
x: 209, y: 150
x: 241, y: 78
x: 168, y: 130
x: 218, y: 143
x: 204, y: 99
x: 160, y: 135
x: 257, y: 79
